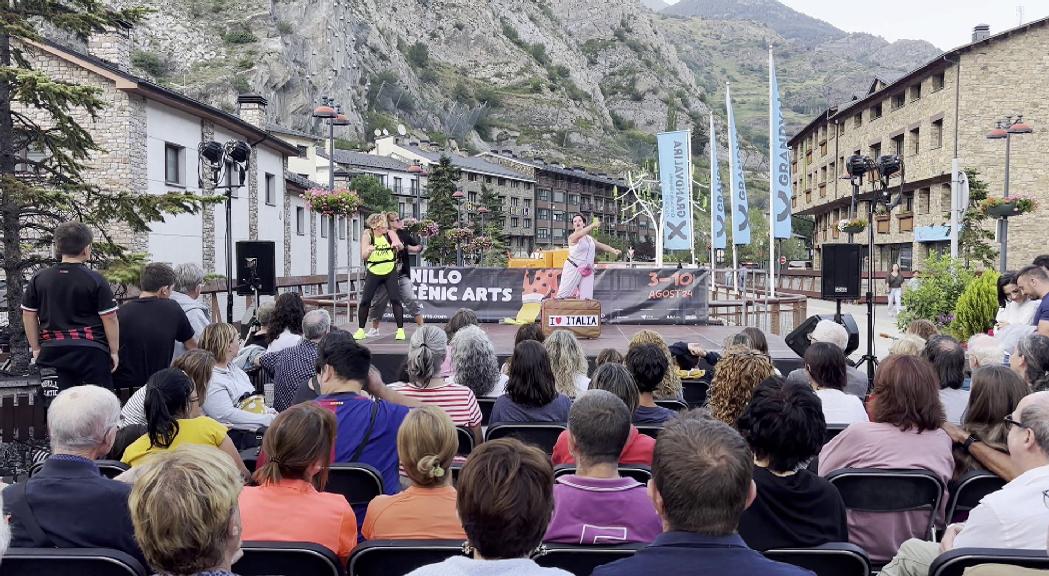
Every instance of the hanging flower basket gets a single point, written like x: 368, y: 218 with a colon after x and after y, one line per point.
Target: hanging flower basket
x: 459, y: 234
x: 999, y: 207
x: 481, y: 244
x: 425, y: 228
x: 338, y: 202
x: 854, y: 226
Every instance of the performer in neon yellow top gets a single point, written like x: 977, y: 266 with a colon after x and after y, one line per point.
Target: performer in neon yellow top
x: 379, y: 252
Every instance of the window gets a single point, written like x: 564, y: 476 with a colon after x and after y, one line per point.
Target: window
x: 514, y: 202
x: 342, y: 227
x: 543, y: 195
x: 559, y: 216
x: 487, y: 179
x: 472, y: 196
x: 271, y: 190
x: 528, y: 204
x: 897, y: 145
x: 502, y: 181
x: 559, y: 196
x: 324, y: 225
x: 875, y: 151
x: 898, y: 101
x: 414, y: 186
x: 876, y: 111
x: 915, y: 92
x: 174, y: 164
x: 923, y: 201
x: 302, y: 151
x: 397, y: 188
x: 936, y: 135
x: 573, y: 199
x: 938, y: 82
x: 515, y: 184
x: 528, y: 185
x: 527, y: 222
x: 908, y: 202
x: 471, y: 177
x: 841, y: 128
x: 542, y: 233
x: 945, y: 197
x: 544, y: 214
x: 915, y: 136
x: 515, y: 222
x: 300, y: 220
x: 857, y: 120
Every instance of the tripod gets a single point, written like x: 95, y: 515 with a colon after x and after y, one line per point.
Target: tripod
x: 255, y: 284
x: 869, y: 359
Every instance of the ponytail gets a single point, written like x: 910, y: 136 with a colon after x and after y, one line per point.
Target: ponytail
x: 167, y: 400
x: 426, y: 352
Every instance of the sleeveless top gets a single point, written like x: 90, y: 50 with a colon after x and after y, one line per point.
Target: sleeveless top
x: 382, y: 260
x: 583, y: 252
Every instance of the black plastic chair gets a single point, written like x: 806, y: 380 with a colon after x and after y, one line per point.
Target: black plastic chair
x: 877, y: 490
x: 954, y: 562
x: 831, y: 559
x: 581, y: 560
x: 650, y: 430
x: 675, y: 405
x: 967, y: 492
x: 108, y: 468
x: 832, y: 431
x: 65, y: 561
x: 356, y: 481
x: 250, y: 456
x: 466, y: 440
x: 389, y: 557
x: 636, y: 471
x: 541, y: 434
x: 287, y: 559
x: 695, y: 392
x: 486, y: 405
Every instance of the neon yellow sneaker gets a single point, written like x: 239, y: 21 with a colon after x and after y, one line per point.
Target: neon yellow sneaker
x: 359, y: 334
x: 399, y: 335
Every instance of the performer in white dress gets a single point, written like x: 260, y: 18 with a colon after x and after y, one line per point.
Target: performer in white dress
x: 577, y: 275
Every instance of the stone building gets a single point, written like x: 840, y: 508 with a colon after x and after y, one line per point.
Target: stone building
x: 932, y: 115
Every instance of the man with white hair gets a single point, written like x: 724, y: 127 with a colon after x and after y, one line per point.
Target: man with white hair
x: 1014, y: 517
x: 836, y: 334
x: 68, y: 503
x: 293, y: 367
x: 984, y: 350
x: 189, y: 280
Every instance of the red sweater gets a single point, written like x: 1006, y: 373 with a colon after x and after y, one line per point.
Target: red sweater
x: 638, y: 449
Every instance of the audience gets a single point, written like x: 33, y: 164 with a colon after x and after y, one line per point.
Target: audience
x: 263, y: 315
x: 425, y: 510
x: 830, y: 332
x: 670, y: 387
x: 1034, y: 281
x: 505, y: 500
x: 530, y: 393
x: 184, y: 508
x: 825, y: 365
x: 230, y: 387
x: 68, y: 503
x: 1014, y: 517
x: 1015, y: 308
x: 189, y: 280
x: 425, y: 355
x: 904, y: 433
x: 294, y: 366
x: 529, y: 331
x: 288, y: 505
x: 948, y: 359
x: 473, y: 354
x: 170, y: 400
x: 739, y: 371
x: 462, y: 318
x: 568, y: 363
x: 755, y: 339
x: 996, y: 390
x: 1031, y: 361
x: 701, y: 483
x: 648, y: 367
x: 149, y: 327
x: 367, y: 426
x: 794, y: 508
x: 984, y: 350
x: 285, y: 326
x: 609, y: 355
x: 907, y: 345
x: 922, y: 328
x: 197, y: 364
x: 596, y: 505
x: 616, y: 379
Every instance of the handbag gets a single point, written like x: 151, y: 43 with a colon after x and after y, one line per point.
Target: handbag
x: 587, y: 269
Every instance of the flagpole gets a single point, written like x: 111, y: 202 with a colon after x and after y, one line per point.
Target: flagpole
x: 732, y: 185
x: 713, y: 190
x: 772, y: 189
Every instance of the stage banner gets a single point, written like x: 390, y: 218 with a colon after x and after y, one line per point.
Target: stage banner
x: 780, y: 170
x: 675, y: 180
x: 737, y: 184
x: 627, y: 295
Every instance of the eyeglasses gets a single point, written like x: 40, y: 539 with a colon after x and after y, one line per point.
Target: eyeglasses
x: 1009, y: 420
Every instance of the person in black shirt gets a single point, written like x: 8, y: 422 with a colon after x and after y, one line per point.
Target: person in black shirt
x: 149, y: 327
x: 70, y: 314
x: 794, y: 508
x: 404, y: 278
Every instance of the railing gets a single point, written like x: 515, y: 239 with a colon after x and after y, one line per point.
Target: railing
x: 751, y: 305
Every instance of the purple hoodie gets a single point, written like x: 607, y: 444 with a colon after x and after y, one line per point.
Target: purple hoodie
x: 602, y: 511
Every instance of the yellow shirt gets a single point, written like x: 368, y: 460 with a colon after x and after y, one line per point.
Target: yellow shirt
x: 201, y: 430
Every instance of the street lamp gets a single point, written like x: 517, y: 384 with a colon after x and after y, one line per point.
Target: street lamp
x: 332, y: 112
x: 1004, y: 130
x: 418, y: 171
x: 458, y: 195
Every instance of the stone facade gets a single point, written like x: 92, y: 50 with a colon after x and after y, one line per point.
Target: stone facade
x: 113, y: 47
x: 207, y: 134
x: 915, y: 117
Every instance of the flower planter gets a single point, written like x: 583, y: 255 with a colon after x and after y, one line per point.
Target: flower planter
x: 1004, y: 210
x: 853, y: 229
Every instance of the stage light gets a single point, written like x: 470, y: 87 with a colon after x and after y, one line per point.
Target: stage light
x: 856, y: 165
x: 238, y: 151
x: 210, y: 151
x: 888, y: 165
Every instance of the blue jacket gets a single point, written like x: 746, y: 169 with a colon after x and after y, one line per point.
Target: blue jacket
x: 75, y: 506
x: 688, y: 553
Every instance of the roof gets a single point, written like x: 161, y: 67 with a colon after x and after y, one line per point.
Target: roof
x: 921, y: 71
x: 470, y: 164
x: 355, y: 158
x: 301, y: 181
x: 130, y: 83
x: 575, y: 171
x: 277, y: 128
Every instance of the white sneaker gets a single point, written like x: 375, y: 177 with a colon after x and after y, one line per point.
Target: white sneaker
x: 373, y: 332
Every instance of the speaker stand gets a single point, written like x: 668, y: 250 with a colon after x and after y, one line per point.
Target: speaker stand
x: 869, y: 359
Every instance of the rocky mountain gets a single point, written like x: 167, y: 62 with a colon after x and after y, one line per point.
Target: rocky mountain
x: 654, y: 5
x: 787, y: 22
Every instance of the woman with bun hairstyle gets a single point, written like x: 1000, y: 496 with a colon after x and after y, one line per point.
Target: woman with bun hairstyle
x: 426, y: 445
x: 577, y: 274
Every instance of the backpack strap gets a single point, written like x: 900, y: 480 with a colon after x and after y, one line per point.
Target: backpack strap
x: 24, y: 513
x: 367, y: 434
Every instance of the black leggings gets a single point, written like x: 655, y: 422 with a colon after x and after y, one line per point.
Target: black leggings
x: 371, y: 284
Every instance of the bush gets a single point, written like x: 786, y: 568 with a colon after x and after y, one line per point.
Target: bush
x: 241, y: 85
x: 977, y: 307
x: 285, y: 27
x: 418, y: 55
x: 538, y: 51
x: 241, y: 36
x: 150, y: 63
x: 940, y: 284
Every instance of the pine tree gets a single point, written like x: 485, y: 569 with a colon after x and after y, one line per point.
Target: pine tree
x: 442, y: 209
x: 495, y: 223
x: 34, y: 200
x: 974, y: 239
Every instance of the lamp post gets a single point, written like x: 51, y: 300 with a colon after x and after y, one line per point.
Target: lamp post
x: 458, y: 195
x: 332, y: 112
x: 1004, y: 130
x: 417, y: 209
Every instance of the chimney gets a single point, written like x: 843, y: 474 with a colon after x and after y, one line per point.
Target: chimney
x: 113, y: 46
x: 981, y: 32
x: 252, y: 109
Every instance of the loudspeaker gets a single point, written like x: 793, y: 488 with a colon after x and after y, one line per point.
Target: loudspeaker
x: 798, y: 339
x: 258, y: 256
x: 841, y: 271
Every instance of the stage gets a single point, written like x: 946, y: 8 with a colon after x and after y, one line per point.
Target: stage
x: 389, y: 353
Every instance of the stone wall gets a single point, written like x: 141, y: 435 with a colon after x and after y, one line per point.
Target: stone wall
x: 207, y: 134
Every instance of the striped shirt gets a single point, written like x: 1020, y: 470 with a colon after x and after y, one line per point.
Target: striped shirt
x: 457, y: 400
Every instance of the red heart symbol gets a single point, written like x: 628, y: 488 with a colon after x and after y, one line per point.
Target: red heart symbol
x: 558, y: 320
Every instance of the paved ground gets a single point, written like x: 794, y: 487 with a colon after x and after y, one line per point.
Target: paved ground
x: 883, y: 324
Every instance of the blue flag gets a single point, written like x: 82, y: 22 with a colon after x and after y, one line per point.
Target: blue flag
x: 740, y: 206
x: 718, y: 234
x: 779, y: 166
x: 675, y: 179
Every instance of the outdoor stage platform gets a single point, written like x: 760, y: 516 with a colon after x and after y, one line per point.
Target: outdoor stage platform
x: 389, y: 353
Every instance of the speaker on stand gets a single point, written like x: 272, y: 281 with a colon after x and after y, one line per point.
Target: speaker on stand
x: 256, y: 275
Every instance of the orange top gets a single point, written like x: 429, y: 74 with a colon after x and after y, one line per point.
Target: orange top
x: 294, y: 511
x: 414, y: 514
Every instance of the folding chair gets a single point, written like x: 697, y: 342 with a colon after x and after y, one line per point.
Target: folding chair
x: 356, y: 481
x: 636, y: 471
x: 581, y: 560
x: 675, y: 405
x: 969, y: 490
x: 541, y: 434
x: 64, y: 561
x: 287, y: 559
x: 830, y: 559
x: 388, y: 557
x: 466, y: 440
x: 954, y: 562
x: 651, y: 430
x: 877, y: 490
x: 486, y: 405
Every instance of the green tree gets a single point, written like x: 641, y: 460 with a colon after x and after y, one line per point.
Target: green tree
x: 495, y: 220
x: 442, y: 209
x: 974, y: 239
x: 977, y: 307
x: 941, y: 281
x: 604, y: 238
x: 374, y: 196
x: 54, y: 188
